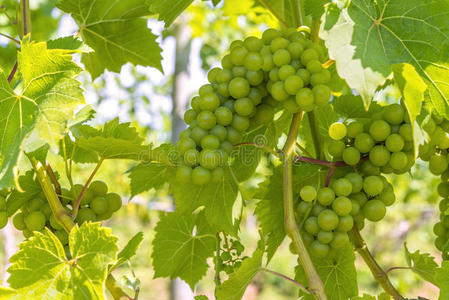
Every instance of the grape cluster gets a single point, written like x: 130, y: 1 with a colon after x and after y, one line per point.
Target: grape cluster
x: 325, y: 216
x: 257, y: 77
x: 96, y: 205
x: 386, y: 141
x: 230, y: 257
x: 3, y: 215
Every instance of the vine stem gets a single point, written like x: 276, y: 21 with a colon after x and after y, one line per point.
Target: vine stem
x: 315, y: 283
x: 314, y: 31
x: 316, y: 136
x: 301, y: 287
x: 54, y: 180
x: 296, y: 13
x: 397, y: 268
x: 10, y: 38
x: 217, y: 259
x: 378, y: 273
x: 78, y: 200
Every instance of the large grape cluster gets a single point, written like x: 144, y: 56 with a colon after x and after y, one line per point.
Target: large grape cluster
x: 282, y: 70
x: 96, y: 205
x: 325, y: 216
x: 386, y: 141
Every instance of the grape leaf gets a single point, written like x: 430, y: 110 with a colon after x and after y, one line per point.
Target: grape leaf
x: 181, y: 247
x: 168, y: 10
x: 280, y: 9
x: 442, y: 280
x: 67, y: 42
x: 338, y: 274
x: 315, y: 8
x: 84, y: 115
x: 29, y: 189
x: 46, y: 103
x: 351, y: 107
x: 218, y: 200
x: 128, y: 251
x: 422, y: 264
x: 147, y: 176
x: 235, y: 286
x: 40, y: 153
x: 367, y: 37
x: 41, y: 264
x: 116, y: 31
x: 412, y: 89
x: 201, y: 297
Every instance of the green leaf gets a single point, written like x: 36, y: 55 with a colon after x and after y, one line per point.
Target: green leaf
x: 201, y: 297
x: 40, y: 153
x: 129, y: 251
x: 182, y: 246
x: 412, y: 89
x: 75, y: 153
x: 168, y: 10
x: 367, y: 37
x: 147, y: 176
x: 338, y: 274
x: 422, y: 264
x: 282, y: 9
x: 117, y: 31
x: 84, y: 115
x: 442, y: 279
x: 235, y: 286
x: 7, y: 293
x: 41, y: 264
x: 315, y: 8
x: 217, y: 198
x: 45, y: 104
x: 67, y: 42
x: 351, y: 107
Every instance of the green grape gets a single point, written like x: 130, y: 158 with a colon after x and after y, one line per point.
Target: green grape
x: 239, y: 87
x: 325, y: 237
x: 205, y: 90
x: 374, y: 210
x: 394, y: 142
x: 320, y: 78
x: 255, y: 77
x: 62, y: 236
x: 379, y: 156
x: 27, y: 233
x: 379, y: 130
x: 274, y: 74
x: 337, y: 131
x: 244, y: 106
x: 238, y: 55
x: 345, y: 224
x: 98, y: 187
x: 305, y: 100
x: 253, y: 44
x: 33, y: 204
x: 209, y: 159
x: 368, y: 168
x: 191, y: 157
x: 213, y: 74
x: 217, y: 175
x: 293, y: 84
x: 311, y: 225
x: 305, y: 75
x: 302, y: 208
x: 342, y: 187
x: 387, y: 196
x: 355, y: 208
x: 114, y: 201
x: 321, y: 94
x: 356, y: 181
x: 314, y: 66
x: 268, y: 63
x: 398, y: 160
x: 235, y: 43
x: 317, y: 209
x: 335, y: 148
x: 209, y: 102
x: 278, y: 43
x: 18, y: 221
x: 264, y: 114
x: 85, y: 214
x: 340, y: 240
x: 234, y: 136
x: 406, y: 132
x: 319, y: 249
x: 286, y: 71
x: 107, y: 215
x: 429, y: 125
x: 206, y: 120
x: 295, y: 49
x: 296, y: 63
x: 222, y: 90
x: 210, y: 142
x: 281, y: 57
x: 226, y: 63
x: 224, y: 76
x: 354, y: 128
x: 54, y: 223
x: 439, y: 229
x: 278, y: 92
x: 438, y: 163
x: 189, y: 116
x: 342, y: 206
x: 327, y: 220
x: 240, y: 123
x: 364, y: 142
x: 201, y: 176
x: 46, y: 210
x: 223, y: 115
x: 308, y: 55
x: 35, y: 221
x: 394, y: 114
x: 195, y: 103
x: 308, y: 193
x: 99, y: 205
x: 373, y: 185
x: 253, y: 61
x: 351, y: 156
x: 255, y: 94
x: 325, y: 196
x: 307, y: 238
x: 220, y: 132
x: 185, y: 133
x: 3, y: 219
x: 185, y: 144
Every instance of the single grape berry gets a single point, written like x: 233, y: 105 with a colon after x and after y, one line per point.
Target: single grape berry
x: 337, y: 131
x: 319, y: 249
x: 3, y: 219
x: 239, y: 87
x: 373, y: 185
x: 85, y: 214
x: 206, y: 120
x: 342, y: 187
x: 99, y: 188
x: 99, y: 205
x: 327, y: 220
x: 18, y: 221
x: 342, y: 206
x: 379, y: 130
x: 201, y: 175
x: 114, y: 201
x: 374, y: 210
x: 364, y: 142
x: 35, y: 221
x: 354, y: 128
x: 308, y: 193
x: 311, y: 225
x: 351, y: 156
x: 335, y: 148
x: 325, y: 196
x: 356, y: 181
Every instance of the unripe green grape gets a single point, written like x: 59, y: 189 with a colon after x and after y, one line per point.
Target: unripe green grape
x: 321, y: 94
x: 240, y: 123
x: 183, y: 174
x: 99, y: 188
x: 238, y: 55
x: 305, y: 100
x: 308, y: 193
x: 374, y: 210
x: 364, y: 142
x: 406, y: 132
x: 325, y: 237
x: 444, y: 143
x: 46, y: 210
x: 443, y: 189
x: 224, y: 76
x: 212, y: 75
x: 342, y: 187
x: 398, y: 160
x: 239, y: 87
x: 307, y: 238
x: 206, y: 120
x: 191, y: 157
x: 27, y: 233
x: 367, y: 168
x: 54, y: 223
x: 286, y: 71
x: 327, y: 220
x: 351, y: 156
x: 185, y: 144
x: 253, y: 61
x: 33, y: 204
x: 373, y: 185
x: 345, y: 224
x: 205, y: 90
x: 99, y: 205
x: 244, y: 106
x: 281, y: 57
x: 18, y: 221
x: 335, y: 148
x: 438, y: 135
x: 439, y: 229
x: 337, y: 131
x: 395, y: 142
x: 197, y: 134
x: 319, y: 249
x: 293, y: 84
x: 234, y: 136
x: 296, y: 63
x: 295, y: 49
x: 356, y: 181
x: 236, y: 43
x: 114, y: 201
x: 278, y: 43
x: 35, y: 221
x: 429, y: 125
x: 195, y: 103
x: 85, y: 214
x: 274, y: 75
x: 189, y: 116
x: 210, y: 142
x: 255, y: 95
x: 278, y: 92
x: 314, y: 66
x: 302, y: 208
x: 311, y: 225
x: 379, y: 130
x: 354, y: 128
x: 268, y: 63
x: 209, y: 159
x: 355, y: 208
x: 255, y: 77
x: 340, y: 240
x: 393, y: 114
x: 305, y: 75
x: 443, y: 205
x: 3, y: 219
x: 308, y: 55
x: 185, y: 133
x: 209, y: 102
x: 325, y: 196
x: 342, y: 206
x: 87, y: 197
x: 217, y: 175
x: 379, y: 156
x: 317, y: 209
x: 223, y: 115
x: 322, y: 77
x: 222, y: 90
x: 62, y: 236
x: 220, y: 132
x: 395, y: 128
x: 264, y: 114
x: 253, y: 44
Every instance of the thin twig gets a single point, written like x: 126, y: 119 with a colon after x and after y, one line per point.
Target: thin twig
x: 13, y: 72
x: 10, y: 38
x: 301, y: 287
x: 329, y: 175
x: 303, y: 150
x: 328, y: 63
x: 397, y: 268
x: 54, y: 180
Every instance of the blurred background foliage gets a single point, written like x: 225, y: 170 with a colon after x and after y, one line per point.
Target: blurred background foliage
x: 144, y: 97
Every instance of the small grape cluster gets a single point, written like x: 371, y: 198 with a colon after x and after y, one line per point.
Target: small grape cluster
x: 436, y: 150
x: 230, y: 257
x: 386, y: 140
x: 325, y: 216
x: 441, y: 228
x: 258, y: 76
x: 96, y: 205
x: 3, y: 216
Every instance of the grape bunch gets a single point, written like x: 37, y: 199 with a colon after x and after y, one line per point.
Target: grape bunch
x: 436, y: 150
x: 441, y: 228
x: 96, y: 205
x: 325, y: 216
x: 386, y: 141
x: 258, y: 77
